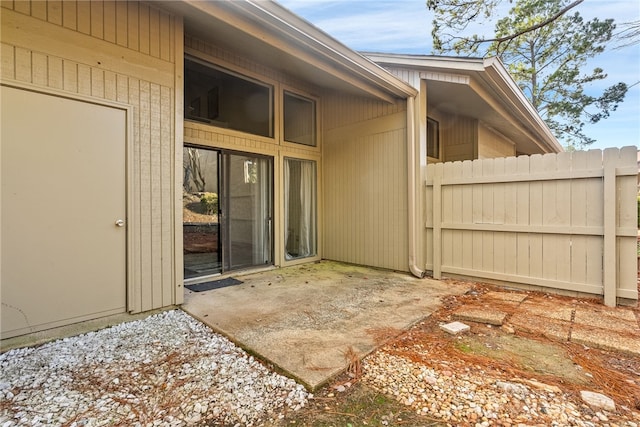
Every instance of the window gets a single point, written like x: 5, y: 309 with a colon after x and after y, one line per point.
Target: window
x: 299, y: 119
x: 433, y: 138
x: 225, y: 99
x: 300, y: 208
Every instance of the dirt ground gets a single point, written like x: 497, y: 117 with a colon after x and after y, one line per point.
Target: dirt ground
x: 501, y: 352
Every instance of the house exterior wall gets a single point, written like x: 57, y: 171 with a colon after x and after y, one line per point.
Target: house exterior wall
x: 365, y: 182
x: 128, y: 53
x: 220, y: 138
x: 459, y: 138
x: 491, y: 144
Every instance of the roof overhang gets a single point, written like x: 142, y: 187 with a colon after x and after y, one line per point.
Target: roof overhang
x: 271, y: 35
x: 480, y: 89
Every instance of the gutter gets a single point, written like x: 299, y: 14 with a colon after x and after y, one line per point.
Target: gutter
x: 411, y: 181
x: 283, y: 21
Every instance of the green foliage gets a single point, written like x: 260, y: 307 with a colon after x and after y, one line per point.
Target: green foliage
x: 209, y: 203
x: 545, y: 50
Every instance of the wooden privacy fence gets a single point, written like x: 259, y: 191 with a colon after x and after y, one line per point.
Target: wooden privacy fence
x: 565, y: 221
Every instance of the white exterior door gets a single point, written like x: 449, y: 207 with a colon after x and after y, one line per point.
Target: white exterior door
x: 63, y: 199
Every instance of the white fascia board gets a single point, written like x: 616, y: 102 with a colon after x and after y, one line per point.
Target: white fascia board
x: 325, y: 48
x: 419, y: 62
x: 492, y: 72
x: 502, y: 80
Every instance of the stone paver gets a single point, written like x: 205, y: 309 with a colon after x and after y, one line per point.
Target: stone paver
x: 550, y: 328
x: 550, y: 309
x: 455, y: 328
x: 619, y: 319
x: 481, y: 315
x: 506, y: 296
x: 605, y: 339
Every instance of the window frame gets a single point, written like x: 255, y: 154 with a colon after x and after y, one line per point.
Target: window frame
x: 433, y: 133
x: 246, y: 76
x: 314, y: 117
x: 317, y: 119
x: 314, y: 216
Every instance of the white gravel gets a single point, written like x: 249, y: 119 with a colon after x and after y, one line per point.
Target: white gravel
x: 166, y: 370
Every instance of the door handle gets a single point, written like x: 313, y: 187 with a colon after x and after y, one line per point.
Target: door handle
x: 120, y: 223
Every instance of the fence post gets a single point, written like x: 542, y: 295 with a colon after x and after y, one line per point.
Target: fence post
x: 437, y: 223
x: 609, y: 279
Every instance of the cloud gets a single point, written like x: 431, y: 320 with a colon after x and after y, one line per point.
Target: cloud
x: 389, y: 26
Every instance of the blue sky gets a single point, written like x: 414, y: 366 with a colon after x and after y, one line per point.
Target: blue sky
x: 404, y: 26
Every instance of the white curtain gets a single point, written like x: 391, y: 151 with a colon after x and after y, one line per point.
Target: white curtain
x: 287, y: 196
x: 300, y: 208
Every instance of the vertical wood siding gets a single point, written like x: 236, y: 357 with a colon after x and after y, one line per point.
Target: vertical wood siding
x: 131, y: 24
x: 491, y: 144
x: 365, y: 182
x: 539, y: 221
x: 459, y: 137
x: 38, y: 48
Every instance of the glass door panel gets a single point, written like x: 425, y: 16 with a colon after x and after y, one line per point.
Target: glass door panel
x: 202, y: 254
x: 247, y: 211
x: 227, y: 211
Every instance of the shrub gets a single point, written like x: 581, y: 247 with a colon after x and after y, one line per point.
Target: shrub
x: 209, y: 203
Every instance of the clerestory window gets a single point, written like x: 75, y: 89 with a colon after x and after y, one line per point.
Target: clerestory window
x: 226, y: 99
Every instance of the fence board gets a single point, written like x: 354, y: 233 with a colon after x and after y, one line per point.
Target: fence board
x: 609, y: 243
x: 467, y: 215
x: 523, y: 201
x: 499, y: 218
x: 578, y: 201
x: 563, y: 206
x: 536, y: 207
x: 547, y: 220
x: 447, y: 212
x: 488, y: 252
x: 549, y: 217
x: 510, y: 216
x: 627, y: 218
x: 457, y: 239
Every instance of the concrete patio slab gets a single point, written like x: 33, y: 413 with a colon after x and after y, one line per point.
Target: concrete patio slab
x: 304, y: 318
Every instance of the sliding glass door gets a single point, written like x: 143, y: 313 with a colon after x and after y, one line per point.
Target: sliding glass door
x: 200, y: 212
x: 227, y: 211
x: 247, y: 214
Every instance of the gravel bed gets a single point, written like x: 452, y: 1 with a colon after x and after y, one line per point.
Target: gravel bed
x: 471, y: 396
x: 166, y: 370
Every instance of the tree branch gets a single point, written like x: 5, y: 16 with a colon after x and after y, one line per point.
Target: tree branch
x: 533, y: 27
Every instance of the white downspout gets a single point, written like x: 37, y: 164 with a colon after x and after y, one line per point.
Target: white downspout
x: 411, y: 180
